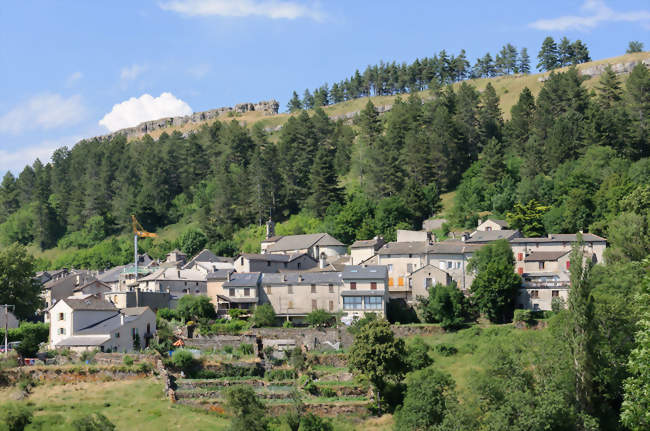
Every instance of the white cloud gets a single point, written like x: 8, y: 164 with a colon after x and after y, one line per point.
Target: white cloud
x: 595, y: 12
x: 74, y: 77
x: 199, y: 71
x: 145, y: 108
x: 274, y: 9
x: 131, y: 72
x: 44, y: 111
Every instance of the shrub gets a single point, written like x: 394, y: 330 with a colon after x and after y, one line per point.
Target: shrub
x: 326, y: 392
x: 248, y: 411
x: 280, y: 374
x: 144, y: 367
x: 446, y: 305
x: 399, y: 311
x: 287, y: 324
x: 558, y: 304
x: 525, y: 316
x: 93, y: 422
x: 246, y: 349
x: 311, y: 422
x: 128, y: 361
x: 268, y: 351
x: 228, y: 349
x: 88, y: 356
x: 15, y: 416
x: 236, y: 313
x: 167, y: 314
x: 445, y: 349
x: 359, y: 324
x: 195, y: 307
x: 264, y: 315
x: 28, y: 347
x: 183, y: 360
x: 296, y: 358
x: 320, y: 318
x: 418, y: 354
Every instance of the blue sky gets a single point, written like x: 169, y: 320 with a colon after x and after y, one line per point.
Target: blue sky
x: 65, y: 64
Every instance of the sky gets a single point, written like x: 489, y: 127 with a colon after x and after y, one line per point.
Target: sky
x: 75, y: 69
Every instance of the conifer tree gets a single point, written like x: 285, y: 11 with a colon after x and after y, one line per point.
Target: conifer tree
x: 634, y: 46
x: 489, y: 115
x: 324, y: 183
x: 565, y: 55
x: 548, y: 55
x: 580, y: 53
x: 8, y: 196
x: 492, y: 163
x: 638, y: 106
x: 294, y: 103
x: 522, y: 116
x: 524, y: 62
x: 307, y: 99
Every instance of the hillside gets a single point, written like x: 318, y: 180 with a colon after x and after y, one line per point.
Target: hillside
x: 508, y: 88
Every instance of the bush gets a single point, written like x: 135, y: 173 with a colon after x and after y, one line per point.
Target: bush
x: 558, y: 304
x: 28, y: 347
x: 359, y: 324
x: 264, y: 315
x: 93, y: 422
x: 296, y: 358
x: 446, y: 305
x: 183, y: 360
x: 15, y: 416
x: 400, y: 312
x: 320, y: 318
x: 195, y: 307
x: 280, y: 374
x: 248, y: 411
x: 287, y: 324
x: 228, y: 349
x: 311, y: 422
x: 236, y: 313
x: 192, y: 241
x: 128, y: 361
x: 418, y: 354
x: 167, y: 314
x: 525, y: 316
x: 445, y: 349
x: 246, y: 349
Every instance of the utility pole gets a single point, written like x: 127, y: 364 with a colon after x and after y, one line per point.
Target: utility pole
x: 6, y: 307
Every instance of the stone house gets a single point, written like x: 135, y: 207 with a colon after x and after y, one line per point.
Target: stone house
x: 177, y: 282
x: 425, y: 277
x: 207, y: 261
x: 313, y: 244
x: 239, y: 290
x: 294, y: 295
x: 491, y: 224
x: 62, y: 287
x: 365, y: 249
x: 488, y: 236
x: 92, y: 323
x: 249, y: 262
x: 452, y: 257
x: 92, y: 288
x: 214, y: 287
x: 365, y: 290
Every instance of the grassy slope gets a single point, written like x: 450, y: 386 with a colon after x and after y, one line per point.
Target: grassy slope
x: 507, y: 87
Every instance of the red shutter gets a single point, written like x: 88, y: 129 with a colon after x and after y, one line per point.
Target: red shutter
x: 520, y: 270
x: 568, y: 264
x: 520, y: 256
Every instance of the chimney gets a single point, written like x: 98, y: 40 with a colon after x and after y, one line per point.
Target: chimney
x: 299, y: 278
x: 463, y: 237
x: 322, y: 261
x: 229, y: 275
x: 121, y: 319
x: 479, y: 222
x: 178, y: 273
x: 270, y: 228
x: 137, y: 296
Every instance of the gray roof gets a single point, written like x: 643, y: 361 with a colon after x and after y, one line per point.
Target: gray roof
x: 105, y: 326
x: 369, y: 272
x: 560, y: 237
x: 538, y: 256
x: 501, y: 223
x: 134, y: 311
x: 307, y: 278
x: 492, y: 235
x: 83, y: 286
x: 410, y: 247
x: 363, y: 293
x: 83, y: 341
x: 219, y: 274
x: 111, y: 275
x: 430, y: 267
x: 300, y: 242
x: 243, y: 279
x: 453, y: 247
x: 375, y: 243
x: 90, y: 303
x: 206, y: 255
x: 267, y: 257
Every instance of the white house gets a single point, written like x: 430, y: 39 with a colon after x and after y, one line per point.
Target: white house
x: 92, y: 323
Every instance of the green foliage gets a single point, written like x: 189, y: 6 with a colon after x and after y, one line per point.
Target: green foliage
x: 236, y: 313
x: 17, y: 285
x: 445, y: 349
x: 195, y: 307
x: 525, y: 316
x: 377, y: 355
x: 358, y: 324
x: 167, y: 314
x: 93, y: 422
x: 264, y: 315
x: 183, y: 360
x: 320, y: 319
x: 249, y: 413
x: 311, y: 422
x: 246, y: 349
x: 634, y: 46
x: 495, y: 287
x: 428, y: 396
x: 15, y: 416
x: 636, y: 407
x: 418, y: 354
x: 32, y: 336
x: 192, y: 241
x: 446, y: 305
x: 528, y: 219
x: 128, y: 361
x: 398, y: 311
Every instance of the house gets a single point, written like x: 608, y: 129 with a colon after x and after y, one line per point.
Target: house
x: 423, y: 278
x: 214, y: 287
x: 487, y: 236
x: 207, y: 261
x: 249, y: 262
x: 412, y: 235
x: 239, y: 290
x: 401, y: 259
x: 92, y: 323
x: 313, y: 244
x: 364, y: 249
x: 177, y: 282
x: 92, y: 288
x: 594, y: 247
x: 491, y: 224
x: 294, y: 295
x: 111, y: 277
x: 137, y: 298
x: 452, y: 257
x: 63, y: 286
x: 175, y: 258
x: 365, y: 290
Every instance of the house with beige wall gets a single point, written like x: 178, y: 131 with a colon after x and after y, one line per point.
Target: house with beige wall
x: 423, y: 278
x: 238, y: 290
x: 491, y: 224
x: 249, y: 262
x: 363, y: 250
x: 177, y: 282
x: 365, y: 290
x: 312, y: 244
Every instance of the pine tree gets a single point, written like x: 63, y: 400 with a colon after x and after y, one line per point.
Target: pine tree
x: 634, y: 46
x: 324, y: 183
x: 492, y: 164
x: 522, y: 116
x: 565, y: 54
x: 294, y: 104
x: 524, y: 62
x: 307, y: 100
x: 638, y: 106
x: 489, y: 115
x: 580, y: 53
x: 8, y: 196
x: 548, y: 55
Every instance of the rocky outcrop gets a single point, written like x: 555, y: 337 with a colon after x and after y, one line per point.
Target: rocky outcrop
x: 268, y: 107
x: 597, y: 70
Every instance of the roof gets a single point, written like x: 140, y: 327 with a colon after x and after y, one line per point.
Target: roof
x: 206, y: 255
x: 453, y: 247
x: 559, y: 237
x: 83, y: 286
x: 111, y: 275
x: 501, y: 223
x: 83, y: 341
x: 410, y: 247
x: 300, y: 242
x: 270, y: 257
x: 369, y: 272
x: 272, y: 238
x: 243, y: 279
x: 105, y: 326
x: 134, y: 311
x: 429, y: 267
x: 90, y: 303
x: 375, y: 243
x: 538, y: 256
x: 219, y: 274
x: 307, y: 278
x: 71, y: 277
x: 175, y: 274
x: 492, y: 235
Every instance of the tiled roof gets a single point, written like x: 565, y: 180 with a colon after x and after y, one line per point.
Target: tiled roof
x: 175, y: 274
x: 492, y: 235
x: 537, y: 256
x: 559, y: 237
x: 369, y: 272
x: 300, y: 242
x: 83, y: 341
x: 90, y: 303
x: 220, y: 274
x: 411, y: 247
x: 307, y: 278
x: 375, y: 243
x: 243, y: 279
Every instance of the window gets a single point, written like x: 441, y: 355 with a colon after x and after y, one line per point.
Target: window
x: 298, y: 265
x: 372, y: 302
x: 428, y: 282
x: 314, y: 304
x: 450, y: 264
x: 400, y: 281
x: 185, y: 283
x: 331, y: 288
x: 289, y: 289
x: 197, y: 291
x: 488, y: 229
x: 134, y: 332
x: 409, y: 268
x: 61, y: 316
x: 534, y: 294
x: 247, y: 291
x: 458, y: 264
x: 410, y: 255
x: 61, y: 331
x: 268, y: 263
x: 285, y: 264
x: 390, y: 282
x: 373, y: 286
x: 520, y: 270
x: 541, y: 265
x: 241, y: 261
x: 442, y: 265
x: 568, y: 264
x: 390, y: 267
x: 313, y: 288
x: 353, y: 285
x: 117, y: 335
x: 352, y: 303
x: 231, y: 292
x: 555, y: 293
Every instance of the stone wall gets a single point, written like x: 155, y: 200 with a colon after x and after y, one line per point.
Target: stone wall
x: 218, y: 342
x: 311, y: 338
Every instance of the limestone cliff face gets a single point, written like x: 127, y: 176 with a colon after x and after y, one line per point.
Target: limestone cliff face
x: 599, y: 69
x: 268, y: 107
